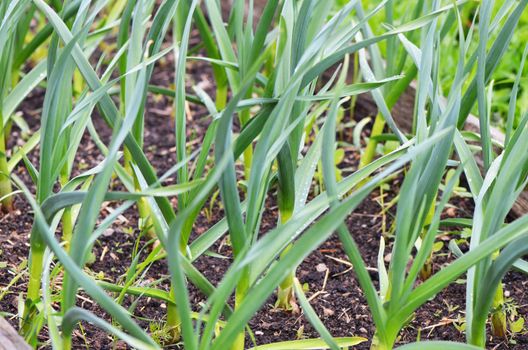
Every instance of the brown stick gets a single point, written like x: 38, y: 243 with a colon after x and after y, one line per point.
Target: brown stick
x: 9, y: 338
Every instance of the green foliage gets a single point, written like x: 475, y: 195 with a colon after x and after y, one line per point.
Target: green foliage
x: 282, y: 91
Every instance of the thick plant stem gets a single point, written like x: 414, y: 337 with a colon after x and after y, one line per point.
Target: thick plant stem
x: 5, y: 184
x: 36, y: 259
x: 35, y: 270
x: 248, y: 152
x: 145, y: 222
x: 6, y: 57
x: 144, y: 217
x: 77, y: 83
x: 67, y: 218
x: 66, y: 342
x: 127, y: 161
x: 240, y: 294
x: 370, y: 150
x: 248, y: 159
x: 286, y: 203
x: 247, y: 155
x: 377, y: 344
x: 477, y: 337
x: 379, y: 123
x: 67, y: 234
x: 173, y: 320
x: 498, y: 316
x: 427, y: 269
x: 67, y: 228
x: 285, y: 292
x: 221, y: 97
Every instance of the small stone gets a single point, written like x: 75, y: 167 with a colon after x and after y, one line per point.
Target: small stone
x: 321, y: 267
x: 328, y: 312
x: 363, y: 330
x: 451, y: 212
x: 266, y: 325
x: 120, y: 345
x: 108, y: 232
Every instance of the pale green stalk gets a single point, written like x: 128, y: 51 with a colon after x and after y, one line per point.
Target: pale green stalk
x: 7, y: 39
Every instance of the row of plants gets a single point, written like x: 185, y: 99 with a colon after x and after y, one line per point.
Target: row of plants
x: 504, y: 74
x: 282, y: 81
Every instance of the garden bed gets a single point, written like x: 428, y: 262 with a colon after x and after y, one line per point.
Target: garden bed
x: 337, y: 297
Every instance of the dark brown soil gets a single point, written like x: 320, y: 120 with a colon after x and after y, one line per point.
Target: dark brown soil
x: 340, y: 302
